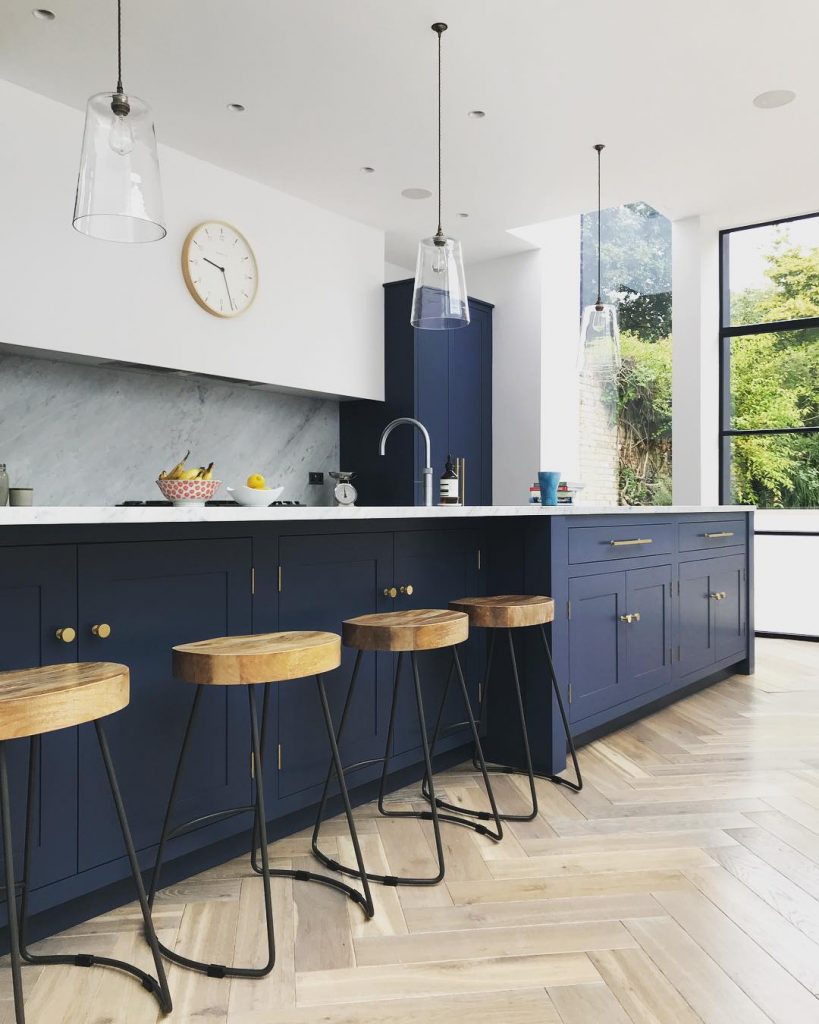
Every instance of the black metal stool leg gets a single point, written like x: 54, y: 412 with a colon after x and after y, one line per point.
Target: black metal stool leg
x: 166, y: 824
x: 575, y: 786
x: 11, y: 889
x: 158, y: 986
x: 257, y: 808
x: 265, y: 715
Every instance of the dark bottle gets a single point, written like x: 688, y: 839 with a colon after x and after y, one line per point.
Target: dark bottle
x: 449, y: 484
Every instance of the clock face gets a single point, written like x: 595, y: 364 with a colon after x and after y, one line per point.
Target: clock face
x: 345, y: 493
x: 219, y: 268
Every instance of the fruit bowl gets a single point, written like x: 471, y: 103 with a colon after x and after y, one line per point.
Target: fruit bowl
x: 184, y: 493
x: 254, y: 497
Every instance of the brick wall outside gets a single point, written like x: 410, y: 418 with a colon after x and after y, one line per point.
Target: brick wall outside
x: 599, y: 449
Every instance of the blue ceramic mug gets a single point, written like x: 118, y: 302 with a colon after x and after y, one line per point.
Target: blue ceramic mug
x: 548, y: 487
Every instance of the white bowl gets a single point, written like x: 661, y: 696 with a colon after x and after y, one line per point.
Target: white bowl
x: 253, y: 497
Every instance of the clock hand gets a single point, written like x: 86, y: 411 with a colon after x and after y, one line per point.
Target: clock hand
x: 227, y: 286
x: 213, y: 264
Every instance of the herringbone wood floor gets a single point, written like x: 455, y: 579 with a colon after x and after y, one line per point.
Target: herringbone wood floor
x: 681, y: 886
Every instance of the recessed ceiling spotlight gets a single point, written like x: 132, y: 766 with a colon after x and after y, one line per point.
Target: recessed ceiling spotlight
x: 416, y: 193
x: 367, y: 170
x: 43, y: 14
x: 463, y: 215
x: 774, y: 98
x: 477, y: 114
x: 236, y: 108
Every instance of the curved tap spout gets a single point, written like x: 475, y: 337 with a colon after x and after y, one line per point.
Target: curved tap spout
x: 427, y: 470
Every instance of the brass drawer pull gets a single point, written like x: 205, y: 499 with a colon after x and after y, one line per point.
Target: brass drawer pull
x: 102, y: 631
x: 67, y: 634
x: 631, y: 617
x: 391, y: 592
x: 720, y: 595
x: 629, y: 543
x: 408, y: 589
x: 722, y: 533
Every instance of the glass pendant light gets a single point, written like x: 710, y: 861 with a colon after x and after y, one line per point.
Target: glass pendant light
x: 119, y: 197
x: 599, y: 333
x: 439, y: 301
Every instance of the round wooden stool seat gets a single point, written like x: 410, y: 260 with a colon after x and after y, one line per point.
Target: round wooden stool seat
x: 424, y: 629
x: 38, y: 700
x: 264, y: 658
x: 506, y: 611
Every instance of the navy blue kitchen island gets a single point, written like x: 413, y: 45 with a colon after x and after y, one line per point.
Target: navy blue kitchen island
x: 650, y: 604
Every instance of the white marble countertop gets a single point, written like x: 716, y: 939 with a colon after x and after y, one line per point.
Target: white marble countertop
x: 44, y: 515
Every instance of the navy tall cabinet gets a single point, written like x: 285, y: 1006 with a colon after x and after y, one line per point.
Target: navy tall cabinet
x: 443, y: 379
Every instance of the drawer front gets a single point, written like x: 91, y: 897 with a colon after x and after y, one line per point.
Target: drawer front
x: 717, y: 533
x: 608, y: 543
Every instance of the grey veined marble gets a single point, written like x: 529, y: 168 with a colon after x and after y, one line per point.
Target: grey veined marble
x: 87, y: 435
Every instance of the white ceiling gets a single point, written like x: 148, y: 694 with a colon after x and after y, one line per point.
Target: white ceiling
x: 331, y: 85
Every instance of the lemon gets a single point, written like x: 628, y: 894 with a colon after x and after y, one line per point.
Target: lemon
x: 256, y: 481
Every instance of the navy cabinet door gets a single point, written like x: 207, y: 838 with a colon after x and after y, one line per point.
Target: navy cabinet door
x: 154, y: 595
x: 38, y: 596
x: 431, y: 405
x: 325, y: 580
x: 596, y: 643
x: 648, y: 641
x: 470, y: 403
x: 696, y: 644
x: 727, y: 577
x: 440, y: 566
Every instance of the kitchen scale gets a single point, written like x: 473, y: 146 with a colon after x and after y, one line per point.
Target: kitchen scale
x: 344, y: 492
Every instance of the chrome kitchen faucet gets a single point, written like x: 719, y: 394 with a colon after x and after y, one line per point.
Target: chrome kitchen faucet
x: 427, y: 470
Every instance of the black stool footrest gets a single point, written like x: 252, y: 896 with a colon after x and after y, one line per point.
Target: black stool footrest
x: 150, y: 984
x: 216, y: 971
x: 391, y: 880
x: 302, y: 876
x: 84, y: 960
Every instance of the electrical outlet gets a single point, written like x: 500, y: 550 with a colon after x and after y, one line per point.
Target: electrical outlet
x: 315, y: 478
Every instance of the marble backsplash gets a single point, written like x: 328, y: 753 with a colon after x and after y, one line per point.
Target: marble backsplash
x: 88, y: 435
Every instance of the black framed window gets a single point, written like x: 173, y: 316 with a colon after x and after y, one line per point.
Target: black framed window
x: 769, y: 364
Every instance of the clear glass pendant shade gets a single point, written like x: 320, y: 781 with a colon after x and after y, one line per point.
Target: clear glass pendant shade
x: 119, y: 197
x: 599, y: 357
x: 439, y: 300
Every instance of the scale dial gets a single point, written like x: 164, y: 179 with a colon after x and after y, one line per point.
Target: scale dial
x: 345, y: 493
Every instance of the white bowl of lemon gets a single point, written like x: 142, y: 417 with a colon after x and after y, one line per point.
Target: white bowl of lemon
x: 256, y: 493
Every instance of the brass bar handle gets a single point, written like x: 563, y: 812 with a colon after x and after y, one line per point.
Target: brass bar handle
x: 630, y: 543
x: 391, y: 592
x: 722, y: 533
x: 631, y: 617
x: 101, y: 630
x: 409, y: 589
x: 67, y: 634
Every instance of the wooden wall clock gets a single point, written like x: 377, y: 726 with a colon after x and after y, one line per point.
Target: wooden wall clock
x: 219, y: 268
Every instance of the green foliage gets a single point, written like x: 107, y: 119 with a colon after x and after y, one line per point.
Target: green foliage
x: 644, y: 416
x: 775, y: 383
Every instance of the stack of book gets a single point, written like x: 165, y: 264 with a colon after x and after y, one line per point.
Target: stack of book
x: 567, y: 491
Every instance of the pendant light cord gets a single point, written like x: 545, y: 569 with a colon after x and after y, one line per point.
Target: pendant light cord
x: 119, y: 47
x: 599, y: 149
x: 440, y: 33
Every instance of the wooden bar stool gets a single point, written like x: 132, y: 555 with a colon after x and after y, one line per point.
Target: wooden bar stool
x: 41, y: 700
x: 509, y: 612
x: 409, y: 632
x: 250, y: 661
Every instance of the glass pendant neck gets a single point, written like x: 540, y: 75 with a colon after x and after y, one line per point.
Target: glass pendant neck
x: 598, y: 305
x: 439, y: 28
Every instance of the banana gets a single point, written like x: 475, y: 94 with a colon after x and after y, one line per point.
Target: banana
x: 207, y: 474
x: 188, y: 474
x: 179, y: 469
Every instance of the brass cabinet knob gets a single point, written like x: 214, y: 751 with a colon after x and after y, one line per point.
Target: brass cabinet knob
x: 67, y: 634
x: 720, y: 595
x: 631, y: 617
x: 101, y: 630
x: 408, y: 589
x: 390, y: 592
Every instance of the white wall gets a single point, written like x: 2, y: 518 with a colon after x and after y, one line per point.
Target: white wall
x: 316, y: 324
x: 514, y: 284
x: 695, y: 369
